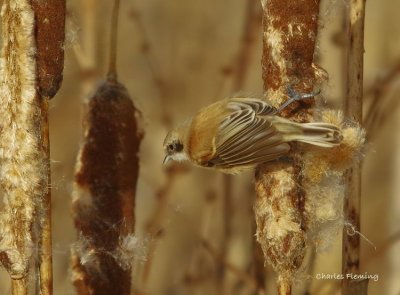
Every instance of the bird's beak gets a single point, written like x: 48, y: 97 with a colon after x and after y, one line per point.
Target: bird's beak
x: 166, y: 160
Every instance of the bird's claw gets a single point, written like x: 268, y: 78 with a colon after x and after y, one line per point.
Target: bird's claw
x: 296, y: 96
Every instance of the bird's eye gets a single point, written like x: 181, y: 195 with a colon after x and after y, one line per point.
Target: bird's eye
x: 171, y: 147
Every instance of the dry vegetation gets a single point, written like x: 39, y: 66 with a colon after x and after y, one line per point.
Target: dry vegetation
x: 194, y: 231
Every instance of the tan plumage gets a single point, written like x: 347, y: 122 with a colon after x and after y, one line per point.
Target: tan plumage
x: 239, y: 133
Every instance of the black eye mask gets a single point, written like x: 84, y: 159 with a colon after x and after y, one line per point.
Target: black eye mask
x: 178, y: 147
x: 174, y: 147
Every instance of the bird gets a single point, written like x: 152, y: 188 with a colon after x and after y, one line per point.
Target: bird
x: 235, y: 134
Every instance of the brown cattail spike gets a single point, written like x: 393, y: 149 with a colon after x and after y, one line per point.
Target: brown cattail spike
x: 104, y: 195
x: 289, y: 35
x: 105, y: 187
x: 49, y: 37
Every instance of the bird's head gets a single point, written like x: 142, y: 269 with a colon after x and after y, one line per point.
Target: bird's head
x: 173, y: 147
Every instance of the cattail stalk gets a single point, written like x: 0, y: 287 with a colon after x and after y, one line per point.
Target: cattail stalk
x: 45, y: 236
x: 49, y: 36
x: 105, y: 187
x: 289, y: 35
x: 30, y: 73
x: 22, y: 166
x: 353, y: 109
x: 112, y: 66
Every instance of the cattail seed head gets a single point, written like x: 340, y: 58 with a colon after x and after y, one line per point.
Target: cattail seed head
x: 23, y: 172
x: 104, y: 192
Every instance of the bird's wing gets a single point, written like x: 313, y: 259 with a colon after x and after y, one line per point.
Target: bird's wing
x: 246, y: 136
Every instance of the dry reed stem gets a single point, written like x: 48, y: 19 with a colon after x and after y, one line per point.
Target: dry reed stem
x: 383, y: 248
x: 248, y: 279
x: 19, y: 287
x: 382, y: 83
x: 154, y: 228
x: 45, y: 236
x: 105, y: 188
x: 154, y: 225
x: 251, y: 28
x: 112, y: 66
x: 382, y: 114
x: 252, y: 22
x: 89, y: 36
x: 310, y: 270
x: 290, y: 29
x: 49, y: 36
x: 86, y: 52
x: 158, y: 80
x: 24, y: 170
x: 284, y: 288
x: 353, y: 109
x: 359, y: 287
x: 377, y: 114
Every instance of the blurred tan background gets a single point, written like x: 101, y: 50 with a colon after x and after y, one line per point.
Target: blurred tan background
x: 179, y: 55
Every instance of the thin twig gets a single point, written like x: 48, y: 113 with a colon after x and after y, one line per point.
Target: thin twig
x: 234, y: 269
x: 252, y: 25
x: 382, y: 83
x: 395, y: 238
x: 311, y: 266
x: 157, y: 78
x: 382, y: 114
x: 86, y: 52
x: 89, y: 36
x: 376, y: 112
x: 154, y: 225
x: 353, y: 109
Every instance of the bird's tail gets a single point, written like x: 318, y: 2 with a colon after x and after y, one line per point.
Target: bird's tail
x: 316, y: 133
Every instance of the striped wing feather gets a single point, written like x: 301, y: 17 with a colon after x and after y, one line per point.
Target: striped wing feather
x: 246, y: 137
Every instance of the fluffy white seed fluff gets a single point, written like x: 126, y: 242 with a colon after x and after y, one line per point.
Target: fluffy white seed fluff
x: 22, y: 170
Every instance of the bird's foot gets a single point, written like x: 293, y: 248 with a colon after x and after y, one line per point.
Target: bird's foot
x: 296, y: 96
